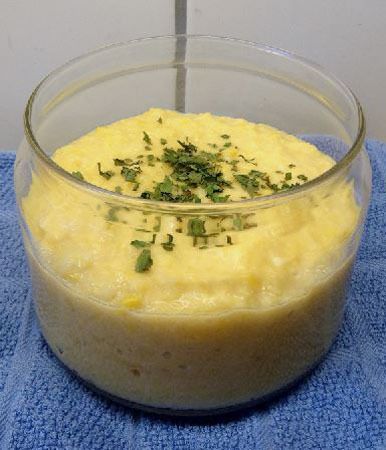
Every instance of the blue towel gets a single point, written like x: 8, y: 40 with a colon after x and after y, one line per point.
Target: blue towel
x: 341, y: 405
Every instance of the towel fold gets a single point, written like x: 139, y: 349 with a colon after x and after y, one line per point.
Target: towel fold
x: 341, y: 405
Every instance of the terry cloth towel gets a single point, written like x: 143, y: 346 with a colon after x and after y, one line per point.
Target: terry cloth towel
x: 341, y: 405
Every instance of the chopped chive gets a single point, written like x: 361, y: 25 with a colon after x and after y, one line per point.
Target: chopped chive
x: 78, y: 175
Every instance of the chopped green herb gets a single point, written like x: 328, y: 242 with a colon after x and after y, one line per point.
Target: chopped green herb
x: 168, y: 246
x: 130, y: 174
x: 166, y: 186
x: 249, y: 183
x: 219, y: 198
x: 112, y: 214
x: 163, y: 141
x: 118, y: 189
x: 159, y: 120
x: 78, y: 175
x: 196, y: 227
x: 225, y: 136
x: 229, y: 240
x: 108, y: 174
x: 288, y: 176
x: 250, y: 161
x: 139, y: 244
x: 143, y: 230
x: 150, y: 160
x: 302, y: 177
x: 227, y: 144
x: 253, y: 181
x: 146, y: 138
x: 157, y: 226
x: 233, y: 163
x: 238, y: 223
x: 122, y: 162
x: 144, y: 261
x: 291, y: 166
x: 212, y: 192
x: 194, y: 168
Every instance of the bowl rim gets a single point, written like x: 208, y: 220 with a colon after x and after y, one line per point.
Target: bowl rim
x: 198, y: 208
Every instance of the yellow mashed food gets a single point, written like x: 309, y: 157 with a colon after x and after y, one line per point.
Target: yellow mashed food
x: 189, y: 311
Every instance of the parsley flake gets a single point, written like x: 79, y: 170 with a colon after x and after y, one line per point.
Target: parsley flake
x: 130, y: 174
x: 196, y: 227
x: 78, y: 175
x: 108, y: 174
x: 146, y: 138
x: 144, y: 261
x: 122, y: 162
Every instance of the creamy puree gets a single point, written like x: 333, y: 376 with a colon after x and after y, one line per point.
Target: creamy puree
x: 189, y: 312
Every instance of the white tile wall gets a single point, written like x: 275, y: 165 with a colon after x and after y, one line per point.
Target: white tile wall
x: 37, y: 36
x: 346, y: 36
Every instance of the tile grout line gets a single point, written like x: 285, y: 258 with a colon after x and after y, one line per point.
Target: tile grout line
x: 180, y: 27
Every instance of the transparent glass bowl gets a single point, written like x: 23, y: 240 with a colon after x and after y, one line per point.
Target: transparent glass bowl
x: 190, y: 362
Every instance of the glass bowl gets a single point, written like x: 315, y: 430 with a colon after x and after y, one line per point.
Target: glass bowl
x: 283, y: 310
